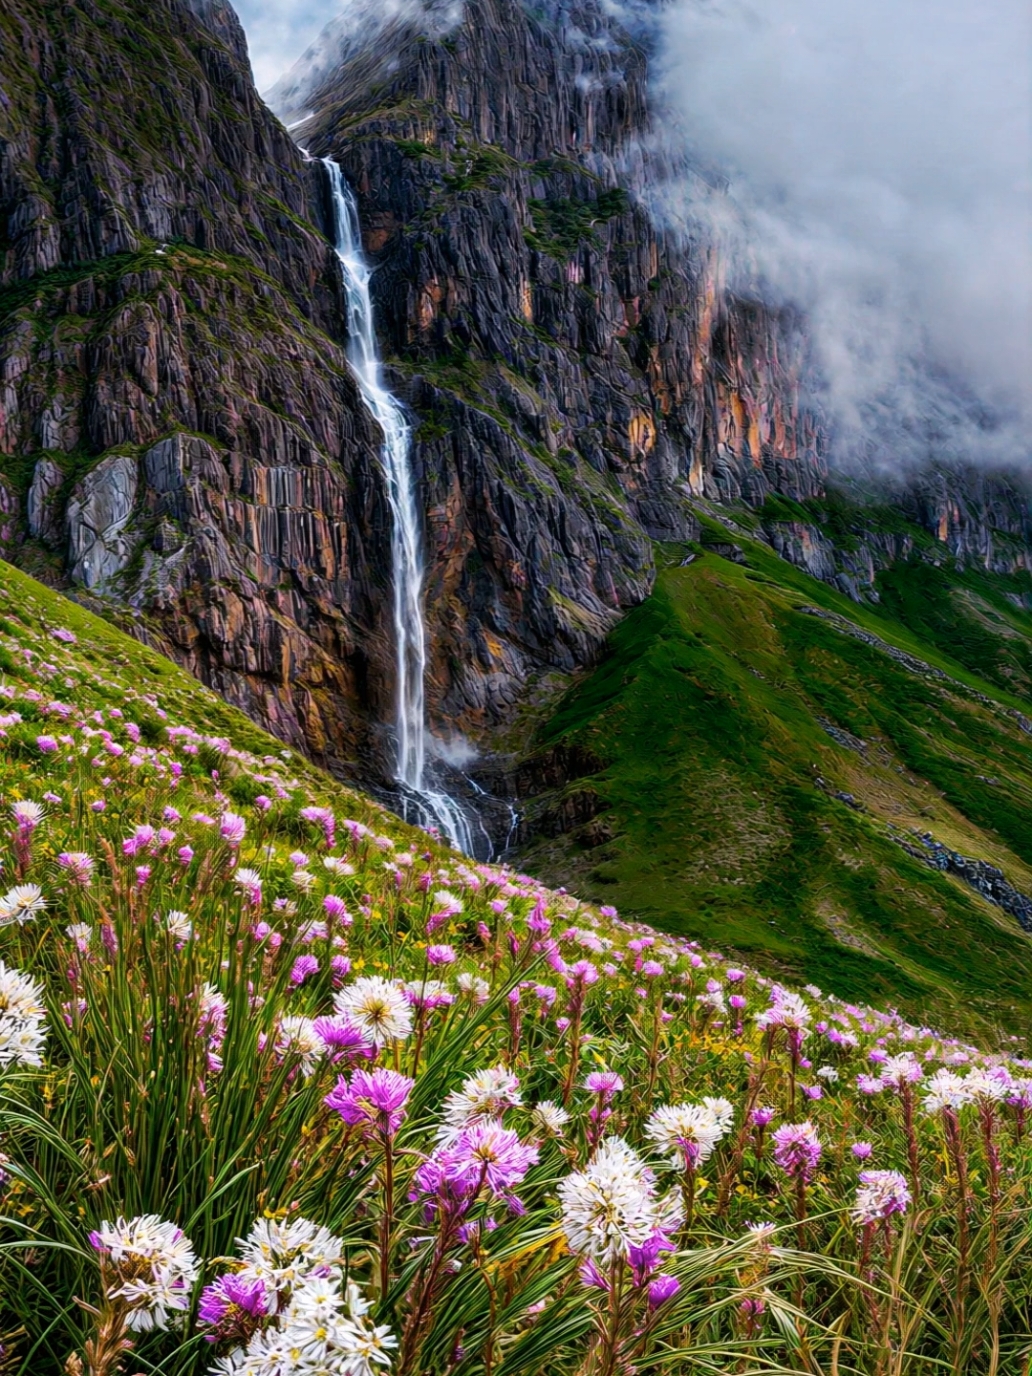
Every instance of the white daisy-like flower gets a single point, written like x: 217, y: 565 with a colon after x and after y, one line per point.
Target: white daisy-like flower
x: 178, y: 925
x: 338, y: 867
x: 377, y: 1008
x: 371, y: 1349
x: 485, y: 1095
x: 477, y: 988
x: 946, y: 1091
x: 22, y: 1019
x: 723, y: 1111
x: 156, y: 1264
x: 21, y: 1043
x: 296, y: 1036
x: 686, y: 1134
x: 23, y: 903
x: 611, y: 1205
x: 549, y: 1117
x: 990, y: 1085
x: 284, y: 1254
x: 27, y: 814
x: 446, y: 902
x: 303, y: 880
x: 19, y: 996
x: 155, y: 1300
x: 249, y: 882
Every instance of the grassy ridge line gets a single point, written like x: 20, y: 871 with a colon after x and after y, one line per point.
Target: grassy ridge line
x: 705, y: 717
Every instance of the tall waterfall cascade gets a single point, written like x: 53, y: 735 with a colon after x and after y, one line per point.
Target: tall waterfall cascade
x: 422, y: 803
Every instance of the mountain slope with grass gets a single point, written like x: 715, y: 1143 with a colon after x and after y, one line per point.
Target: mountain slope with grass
x: 759, y: 760
x: 287, y: 1087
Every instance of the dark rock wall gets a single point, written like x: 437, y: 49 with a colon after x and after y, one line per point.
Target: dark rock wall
x: 176, y: 413
x: 178, y: 427
x: 579, y: 375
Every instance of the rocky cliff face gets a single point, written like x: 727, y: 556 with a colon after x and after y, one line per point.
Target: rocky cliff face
x: 576, y: 378
x: 177, y: 420
x: 178, y: 428
x: 978, y: 520
x: 580, y: 376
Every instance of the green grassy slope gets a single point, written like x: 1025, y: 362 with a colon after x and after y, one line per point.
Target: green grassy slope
x: 715, y: 775
x: 105, y: 667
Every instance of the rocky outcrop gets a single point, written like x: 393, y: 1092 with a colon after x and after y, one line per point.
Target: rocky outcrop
x: 99, y: 545
x: 9, y: 513
x: 985, y: 879
x: 42, y: 503
x: 124, y: 125
x: 977, y: 519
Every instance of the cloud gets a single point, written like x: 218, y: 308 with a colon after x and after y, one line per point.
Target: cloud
x: 871, y: 161
x: 282, y: 33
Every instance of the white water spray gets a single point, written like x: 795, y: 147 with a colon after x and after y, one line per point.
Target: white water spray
x: 428, y: 806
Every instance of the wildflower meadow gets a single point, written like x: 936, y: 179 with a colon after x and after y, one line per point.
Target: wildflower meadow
x: 290, y: 1089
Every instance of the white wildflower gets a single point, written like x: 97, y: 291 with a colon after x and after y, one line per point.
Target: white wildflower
x: 296, y: 1036
x: 21, y: 904
x: 477, y: 988
x: 283, y: 1254
x: 946, y: 1091
x: 377, y: 1008
x: 27, y: 814
x: 901, y: 1070
x: 178, y: 925
x: 485, y: 1095
x: 989, y: 1085
x: 549, y: 1118
x: 446, y: 902
x: 686, y: 1133
x: 611, y: 1205
x: 22, y: 1019
x: 723, y: 1111
x: 156, y: 1264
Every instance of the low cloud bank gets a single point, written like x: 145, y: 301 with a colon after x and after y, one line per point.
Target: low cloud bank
x: 871, y: 161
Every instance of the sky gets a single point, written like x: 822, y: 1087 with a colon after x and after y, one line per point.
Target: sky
x: 867, y: 160
x: 278, y: 31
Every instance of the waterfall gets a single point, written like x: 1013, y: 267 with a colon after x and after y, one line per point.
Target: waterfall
x: 422, y: 803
